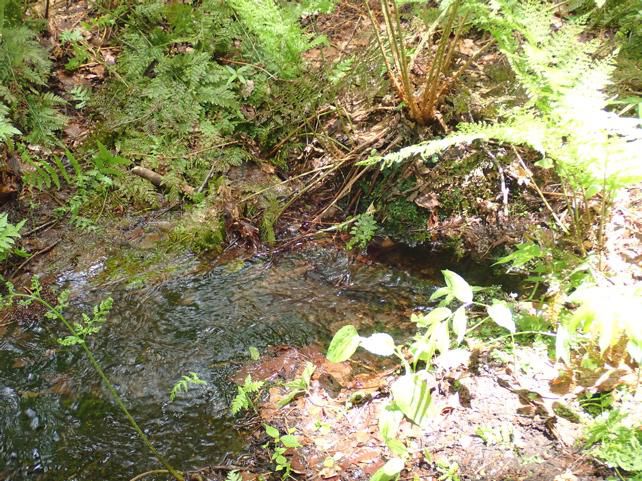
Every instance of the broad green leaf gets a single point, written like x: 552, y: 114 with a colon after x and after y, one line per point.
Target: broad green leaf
x: 272, y: 431
x: 439, y: 293
x: 411, y: 394
x: 290, y: 441
x: 418, y: 319
x: 441, y: 337
x: 344, y: 343
x: 458, y: 286
x: 307, y: 373
x: 289, y: 397
x: 389, y: 421
x: 423, y: 350
x: 397, y: 447
x: 562, y: 345
x: 502, y: 315
x: 460, y: 322
x: 389, y: 471
x: 381, y: 344
x: 437, y: 315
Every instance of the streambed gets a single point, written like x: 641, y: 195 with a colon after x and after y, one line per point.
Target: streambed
x: 58, y: 423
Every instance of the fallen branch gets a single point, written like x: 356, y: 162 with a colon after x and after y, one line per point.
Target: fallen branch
x: 32, y: 257
x: 158, y: 180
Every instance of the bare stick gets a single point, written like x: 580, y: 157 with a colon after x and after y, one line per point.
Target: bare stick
x: 32, y: 257
x: 539, y: 191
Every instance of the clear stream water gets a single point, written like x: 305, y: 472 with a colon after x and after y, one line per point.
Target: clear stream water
x: 58, y: 423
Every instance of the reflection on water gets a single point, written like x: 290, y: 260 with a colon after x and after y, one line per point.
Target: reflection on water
x: 58, y: 423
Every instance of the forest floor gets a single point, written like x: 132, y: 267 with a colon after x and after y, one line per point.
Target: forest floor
x: 496, y: 417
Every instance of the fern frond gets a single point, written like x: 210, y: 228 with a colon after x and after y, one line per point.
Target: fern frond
x: 40, y: 174
x: 184, y: 383
x: 566, y: 118
x: 7, y: 130
x: 279, y: 36
x: 240, y: 402
x: 9, y: 233
x: 43, y: 119
x: 22, y: 57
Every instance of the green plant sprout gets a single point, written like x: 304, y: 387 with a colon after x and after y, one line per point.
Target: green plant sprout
x: 363, y: 230
x: 79, y: 331
x: 246, y: 395
x: 281, y: 445
x: 255, y: 355
x: 298, y: 386
x: 233, y: 476
x: 80, y: 94
x: 449, y: 471
x: 184, y: 383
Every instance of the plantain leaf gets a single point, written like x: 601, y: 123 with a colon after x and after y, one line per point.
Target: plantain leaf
x: 441, y: 337
x: 437, y: 315
x: 460, y: 322
x: 458, y: 286
x: 502, y: 315
x: 411, y: 394
x: 380, y: 344
x: 389, y: 421
x: 389, y: 471
x: 562, y: 344
x: 344, y: 343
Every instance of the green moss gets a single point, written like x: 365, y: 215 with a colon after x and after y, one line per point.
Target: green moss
x: 268, y: 220
x: 137, y: 266
x: 405, y: 221
x: 201, y: 230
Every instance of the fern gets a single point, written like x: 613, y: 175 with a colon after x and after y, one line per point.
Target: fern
x: 243, y: 398
x: 24, y: 68
x: 234, y: 476
x: 137, y: 190
x: 184, y: 383
x: 24, y: 60
x: 9, y: 233
x: 43, y: 119
x: 280, y: 38
x: 565, y: 118
x: 362, y: 231
x: 6, y: 129
x: 108, y: 164
x: 88, y: 325
x: 42, y: 174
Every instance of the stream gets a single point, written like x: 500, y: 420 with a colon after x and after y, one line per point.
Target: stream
x: 57, y: 422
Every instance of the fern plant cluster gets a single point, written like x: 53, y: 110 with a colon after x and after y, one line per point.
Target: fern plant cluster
x: 189, y: 78
x: 565, y: 117
x: 25, y: 105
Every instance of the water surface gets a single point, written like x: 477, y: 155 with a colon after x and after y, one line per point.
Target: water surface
x: 57, y: 421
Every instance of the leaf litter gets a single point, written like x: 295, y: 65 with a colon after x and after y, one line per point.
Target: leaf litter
x: 493, y: 423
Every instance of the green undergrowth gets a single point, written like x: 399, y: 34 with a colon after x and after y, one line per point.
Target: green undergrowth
x: 27, y: 109
x: 195, y: 91
x: 199, y: 90
x: 614, y: 436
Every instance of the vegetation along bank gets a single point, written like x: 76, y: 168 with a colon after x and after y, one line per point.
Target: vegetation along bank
x: 320, y: 239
